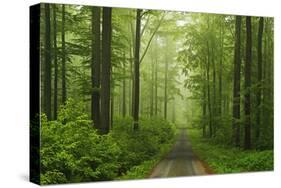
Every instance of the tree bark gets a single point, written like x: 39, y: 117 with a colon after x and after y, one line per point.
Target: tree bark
x: 236, y: 83
x: 63, y: 69
x: 95, y: 67
x: 106, y: 70
x: 259, y: 89
x: 247, y: 71
x: 137, y: 72
x: 55, y: 62
x: 47, y: 80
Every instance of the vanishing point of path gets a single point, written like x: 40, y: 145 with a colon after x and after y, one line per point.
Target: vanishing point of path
x: 180, y: 161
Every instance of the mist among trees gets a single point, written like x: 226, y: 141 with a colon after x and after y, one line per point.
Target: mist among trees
x: 117, y: 84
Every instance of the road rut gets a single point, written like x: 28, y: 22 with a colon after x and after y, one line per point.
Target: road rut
x: 180, y: 161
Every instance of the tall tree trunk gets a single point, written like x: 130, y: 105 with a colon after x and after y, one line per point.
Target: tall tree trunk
x: 259, y: 89
x: 247, y: 71
x: 174, y: 111
x: 106, y: 73
x: 137, y: 72
x: 95, y: 67
x: 63, y: 69
x: 132, y: 51
x: 209, y: 93
x: 112, y: 99
x: 236, y: 83
x: 204, y: 106
x: 166, y: 88
x: 220, y: 70
x: 47, y: 46
x: 131, y: 80
x: 156, y: 81
x: 124, y: 90
x: 214, y: 113
x: 152, y: 89
x: 120, y: 100
x: 55, y: 62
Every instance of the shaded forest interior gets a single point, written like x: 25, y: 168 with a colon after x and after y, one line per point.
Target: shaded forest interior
x: 133, y: 76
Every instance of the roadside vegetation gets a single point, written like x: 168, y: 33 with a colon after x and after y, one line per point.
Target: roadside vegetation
x: 222, y: 158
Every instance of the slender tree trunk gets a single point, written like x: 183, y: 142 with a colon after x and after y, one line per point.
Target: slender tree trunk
x: 112, y: 99
x: 120, y: 99
x: 124, y: 91
x: 131, y: 80
x: 204, y: 106
x: 106, y: 70
x: 220, y: 71
x: 259, y: 89
x: 209, y: 93
x: 156, y: 81
x: 48, y: 73
x: 137, y: 72
x: 174, y: 111
x: 55, y: 63
x: 95, y: 67
x: 214, y: 113
x: 236, y: 86
x: 63, y: 69
x: 166, y: 88
x: 152, y: 89
x: 111, y: 109
x: 247, y: 71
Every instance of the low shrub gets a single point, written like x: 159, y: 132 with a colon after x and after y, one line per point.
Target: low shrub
x: 73, y: 151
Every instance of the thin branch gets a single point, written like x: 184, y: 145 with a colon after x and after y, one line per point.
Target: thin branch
x: 151, y: 37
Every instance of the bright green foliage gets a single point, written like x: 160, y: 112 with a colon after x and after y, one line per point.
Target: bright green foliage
x: 185, y: 75
x: 73, y: 151
x: 224, y: 159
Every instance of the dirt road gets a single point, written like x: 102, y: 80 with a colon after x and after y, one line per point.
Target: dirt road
x: 180, y: 161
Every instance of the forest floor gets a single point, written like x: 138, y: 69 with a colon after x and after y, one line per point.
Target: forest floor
x: 180, y: 161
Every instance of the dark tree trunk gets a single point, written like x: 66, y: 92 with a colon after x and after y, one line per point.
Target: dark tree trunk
x: 47, y: 79
x: 112, y: 99
x: 247, y: 71
x: 95, y: 67
x: 63, y: 68
x: 137, y: 72
x: 236, y: 84
x: 106, y: 73
x: 259, y: 89
x: 55, y: 63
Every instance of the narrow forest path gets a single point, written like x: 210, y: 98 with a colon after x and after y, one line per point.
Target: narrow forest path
x: 180, y: 161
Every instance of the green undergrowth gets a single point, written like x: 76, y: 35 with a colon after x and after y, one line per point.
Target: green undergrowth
x: 72, y: 150
x: 224, y: 159
x: 144, y: 169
